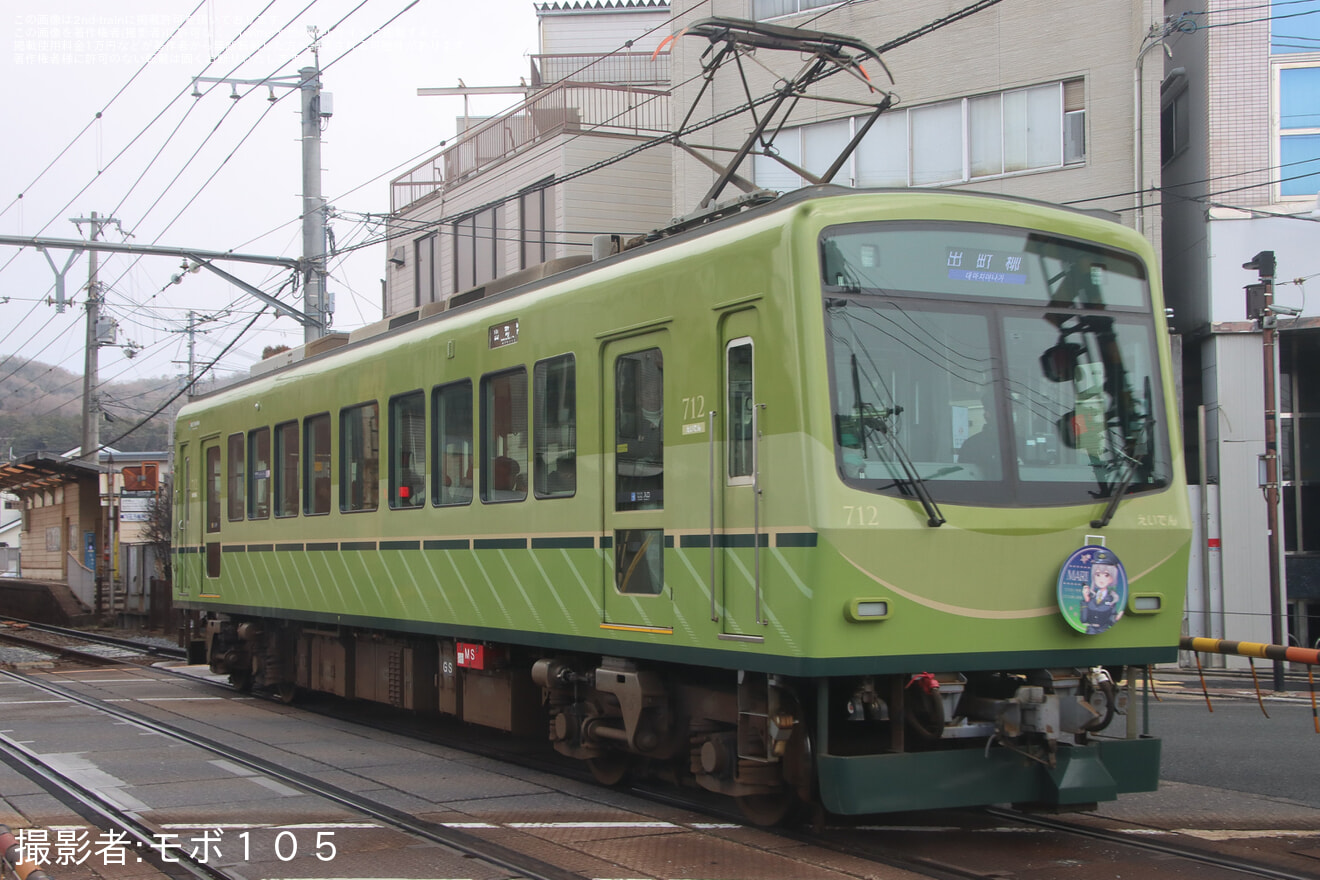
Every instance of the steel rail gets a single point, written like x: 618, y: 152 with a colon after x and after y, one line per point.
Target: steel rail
x: 491, y: 853
x: 100, y: 639
x: 1168, y: 849
x: 103, y: 813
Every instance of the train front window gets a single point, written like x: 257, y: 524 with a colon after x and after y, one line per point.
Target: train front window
x: 1030, y: 378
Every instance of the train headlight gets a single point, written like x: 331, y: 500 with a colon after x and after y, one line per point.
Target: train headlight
x: 863, y: 610
x: 1145, y: 603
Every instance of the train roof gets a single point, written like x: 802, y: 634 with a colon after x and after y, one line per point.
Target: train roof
x: 726, y: 215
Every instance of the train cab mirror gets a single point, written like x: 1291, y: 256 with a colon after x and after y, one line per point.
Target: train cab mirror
x: 1083, y: 428
x: 1059, y: 362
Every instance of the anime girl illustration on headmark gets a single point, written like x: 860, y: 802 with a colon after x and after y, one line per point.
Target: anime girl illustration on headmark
x: 1092, y: 590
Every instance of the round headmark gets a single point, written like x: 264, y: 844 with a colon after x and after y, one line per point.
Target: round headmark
x: 1093, y: 589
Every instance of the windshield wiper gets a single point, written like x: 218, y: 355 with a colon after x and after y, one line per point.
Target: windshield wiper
x: 868, y: 415
x: 934, y: 518
x: 1129, y: 472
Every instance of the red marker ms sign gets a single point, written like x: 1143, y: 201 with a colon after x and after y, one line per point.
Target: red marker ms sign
x: 471, y: 656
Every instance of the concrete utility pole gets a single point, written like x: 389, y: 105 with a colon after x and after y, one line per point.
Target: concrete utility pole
x: 91, y: 425
x: 316, y: 105
x: 313, y: 217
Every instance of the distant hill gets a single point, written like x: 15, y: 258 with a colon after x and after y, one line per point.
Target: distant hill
x: 41, y: 411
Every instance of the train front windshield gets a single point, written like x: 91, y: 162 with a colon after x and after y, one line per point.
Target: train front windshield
x: 991, y: 365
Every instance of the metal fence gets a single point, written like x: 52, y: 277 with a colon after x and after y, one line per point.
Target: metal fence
x: 567, y: 107
x: 635, y: 68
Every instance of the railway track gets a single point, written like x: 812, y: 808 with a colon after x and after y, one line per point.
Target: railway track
x: 960, y: 834
x: 109, y: 814
x: 954, y: 845
x: 82, y: 646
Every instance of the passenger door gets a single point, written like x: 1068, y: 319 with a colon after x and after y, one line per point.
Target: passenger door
x: 739, y: 537
x: 633, y: 476
x: 187, y: 544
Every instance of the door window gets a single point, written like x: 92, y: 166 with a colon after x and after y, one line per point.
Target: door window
x: 740, y: 409
x: 639, y: 464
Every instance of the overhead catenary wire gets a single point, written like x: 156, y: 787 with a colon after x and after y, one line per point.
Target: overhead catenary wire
x: 100, y: 113
x: 360, y: 42
x: 352, y: 245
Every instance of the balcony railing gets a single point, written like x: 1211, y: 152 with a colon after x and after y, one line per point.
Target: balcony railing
x: 634, y: 68
x: 586, y: 108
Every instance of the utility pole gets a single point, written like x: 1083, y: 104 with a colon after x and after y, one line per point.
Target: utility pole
x: 192, y: 348
x: 1260, y: 305
x: 313, y: 205
x: 316, y: 106
x: 91, y: 426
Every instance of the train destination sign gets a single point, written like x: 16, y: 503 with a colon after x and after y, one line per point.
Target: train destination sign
x: 985, y: 266
x: 504, y: 334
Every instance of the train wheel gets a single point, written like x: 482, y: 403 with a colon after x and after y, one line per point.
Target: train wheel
x: 241, y: 681
x: 767, y: 809
x: 285, y: 691
x: 611, y: 768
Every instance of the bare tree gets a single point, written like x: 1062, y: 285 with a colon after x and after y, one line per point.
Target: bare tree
x: 160, y: 525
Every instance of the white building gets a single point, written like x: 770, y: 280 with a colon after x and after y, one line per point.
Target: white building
x: 1241, y: 116
x: 517, y: 190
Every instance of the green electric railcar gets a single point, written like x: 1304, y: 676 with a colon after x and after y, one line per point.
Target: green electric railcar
x: 859, y: 498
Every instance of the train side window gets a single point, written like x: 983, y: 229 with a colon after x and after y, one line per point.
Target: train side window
x: 408, y: 450
x: 259, y: 474
x: 554, y: 427
x: 741, y: 403
x: 359, y: 457
x: 451, y: 439
x: 286, y: 469
x: 316, y: 464
x: 504, y: 436
x: 237, y: 478
x: 639, y: 461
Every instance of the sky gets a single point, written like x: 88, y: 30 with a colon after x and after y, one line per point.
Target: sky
x: 216, y: 173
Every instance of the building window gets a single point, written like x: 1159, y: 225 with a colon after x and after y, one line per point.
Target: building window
x: 1294, y: 27
x: 1031, y: 129
x: 1297, y: 135
x: 763, y: 9
x: 554, y: 427
x: 408, y: 450
x: 1295, y: 80
x: 1175, y: 126
x: 424, y: 287
x: 359, y: 457
x: 534, y: 223
x: 476, y: 249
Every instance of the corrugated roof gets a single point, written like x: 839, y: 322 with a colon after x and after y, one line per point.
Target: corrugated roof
x: 41, y: 470
x: 591, y: 5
